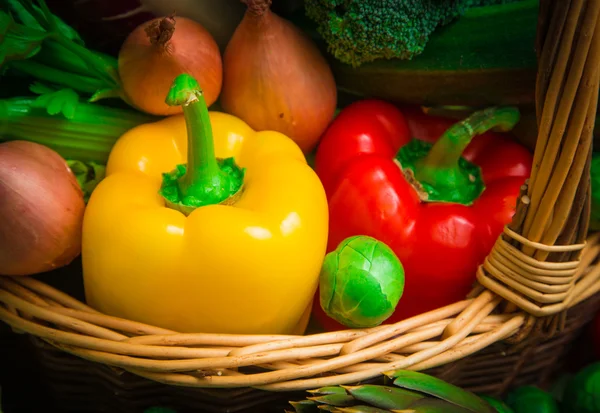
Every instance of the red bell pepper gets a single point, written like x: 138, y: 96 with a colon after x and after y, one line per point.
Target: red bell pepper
x: 437, y: 192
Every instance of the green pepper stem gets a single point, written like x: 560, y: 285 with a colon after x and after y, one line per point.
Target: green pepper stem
x: 202, y: 167
x: 442, y: 160
x: 205, y: 179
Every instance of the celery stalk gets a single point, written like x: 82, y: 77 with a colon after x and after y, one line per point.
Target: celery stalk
x: 88, y: 136
x: 37, y: 43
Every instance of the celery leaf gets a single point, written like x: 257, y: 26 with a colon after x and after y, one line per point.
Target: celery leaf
x: 63, y: 101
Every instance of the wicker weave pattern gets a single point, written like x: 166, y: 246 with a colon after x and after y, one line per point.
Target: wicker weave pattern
x: 284, y: 362
x: 527, y: 281
x: 541, y: 266
x: 99, y: 388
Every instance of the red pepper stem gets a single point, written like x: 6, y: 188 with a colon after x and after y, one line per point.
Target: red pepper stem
x: 442, y: 161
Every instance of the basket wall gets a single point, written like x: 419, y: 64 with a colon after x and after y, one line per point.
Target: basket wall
x: 78, y: 385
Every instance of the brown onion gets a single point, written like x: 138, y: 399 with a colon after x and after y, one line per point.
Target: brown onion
x: 158, y: 51
x: 275, y: 78
x: 41, y: 210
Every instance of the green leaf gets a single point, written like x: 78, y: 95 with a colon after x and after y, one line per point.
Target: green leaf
x: 18, y: 41
x: 64, y: 59
x: 305, y: 406
x: 384, y: 397
x: 6, y: 22
x: 361, y: 409
x: 63, y: 101
x: 436, y: 406
x: 334, y: 400
x: 59, y: 25
x: 41, y: 18
x: 25, y: 13
x: 40, y: 88
x: 435, y: 387
x: 499, y: 405
x: 105, y: 94
x: 88, y: 175
x: 328, y: 390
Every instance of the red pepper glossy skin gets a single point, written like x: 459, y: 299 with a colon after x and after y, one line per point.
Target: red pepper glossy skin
x: 440, y: 245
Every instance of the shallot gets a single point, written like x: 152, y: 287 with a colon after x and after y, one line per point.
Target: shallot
x: 275, y: 77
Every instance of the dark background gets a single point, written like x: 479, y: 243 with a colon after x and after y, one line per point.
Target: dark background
x: 20, y: 375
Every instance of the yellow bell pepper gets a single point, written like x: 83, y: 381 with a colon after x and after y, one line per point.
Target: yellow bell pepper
x: 195, y: 234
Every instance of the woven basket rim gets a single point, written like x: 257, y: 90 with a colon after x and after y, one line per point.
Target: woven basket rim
x: 284, y: 363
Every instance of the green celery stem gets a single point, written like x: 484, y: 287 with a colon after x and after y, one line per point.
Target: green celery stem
x: 89, y: 136
x: 205, y: 180
x: 440, y: 167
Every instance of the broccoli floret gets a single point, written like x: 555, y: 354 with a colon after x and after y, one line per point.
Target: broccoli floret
x: 359, y: 31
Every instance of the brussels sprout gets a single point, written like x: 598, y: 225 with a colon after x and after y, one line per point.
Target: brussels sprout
x: 361, y: 282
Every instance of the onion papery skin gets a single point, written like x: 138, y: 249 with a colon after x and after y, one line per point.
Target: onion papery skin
x: 148, y: 69
x: 275, y: 78
x: 41, y: 210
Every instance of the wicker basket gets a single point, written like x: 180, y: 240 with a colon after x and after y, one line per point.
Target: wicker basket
x: 535, y: 291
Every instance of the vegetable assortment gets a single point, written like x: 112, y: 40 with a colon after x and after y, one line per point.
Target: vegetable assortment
x: 231, y: 241
x: 435, y: 195
x: 203, y: 220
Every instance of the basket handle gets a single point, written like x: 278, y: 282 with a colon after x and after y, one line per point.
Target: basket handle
x: 536, y: 263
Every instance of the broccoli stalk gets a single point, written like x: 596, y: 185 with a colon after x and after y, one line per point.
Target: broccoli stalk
x: 360, y: 31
